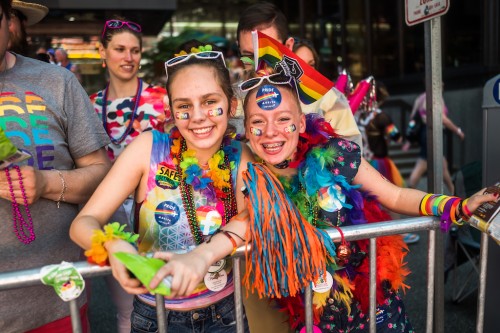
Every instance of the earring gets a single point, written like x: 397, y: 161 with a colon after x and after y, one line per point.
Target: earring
x: 140, y: 66
x: 104, y: 63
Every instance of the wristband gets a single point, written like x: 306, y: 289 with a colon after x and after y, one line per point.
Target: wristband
x: 97, y: 254
x: 64, y: 188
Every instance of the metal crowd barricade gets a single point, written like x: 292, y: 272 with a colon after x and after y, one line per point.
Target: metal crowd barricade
x: 31, y: 277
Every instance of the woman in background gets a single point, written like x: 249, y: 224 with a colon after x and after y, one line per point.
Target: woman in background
x: 127, y: 106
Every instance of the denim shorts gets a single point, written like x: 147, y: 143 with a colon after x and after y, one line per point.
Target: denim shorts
x: 218, y: 317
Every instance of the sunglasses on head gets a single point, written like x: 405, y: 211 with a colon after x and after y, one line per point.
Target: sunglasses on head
x: 209, y: 55
x: 117, y: 24
x: 278, y: 78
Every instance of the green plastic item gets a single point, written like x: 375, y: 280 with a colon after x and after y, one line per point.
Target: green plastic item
x: 7, y: 149
x: 145, y: 269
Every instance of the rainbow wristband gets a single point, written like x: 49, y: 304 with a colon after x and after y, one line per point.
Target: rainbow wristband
x: 97, y: 254
x: 440, y: 205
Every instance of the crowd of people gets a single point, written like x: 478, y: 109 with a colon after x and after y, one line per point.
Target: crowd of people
x: 165, y: 164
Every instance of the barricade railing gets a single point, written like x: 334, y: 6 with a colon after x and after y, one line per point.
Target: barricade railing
x: 31, y: 277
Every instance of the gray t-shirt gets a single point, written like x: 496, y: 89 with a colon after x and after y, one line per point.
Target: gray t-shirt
x: 44, y: 111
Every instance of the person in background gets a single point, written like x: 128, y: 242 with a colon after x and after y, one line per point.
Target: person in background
x: 127, y: 106
x: 420, y: 168
x: 23, y: 14
x: 377, y: 128
x: 61, y: 57
x: 47, y: 114
x: 185, y: 185
x: 268, y: 18
x: 306, y: 51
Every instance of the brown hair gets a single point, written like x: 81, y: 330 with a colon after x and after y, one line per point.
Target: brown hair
x: 107, y: 33
x: 219, y: 67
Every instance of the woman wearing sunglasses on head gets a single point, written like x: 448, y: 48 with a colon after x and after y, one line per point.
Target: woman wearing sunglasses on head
x: 127, y: 106
x: 184, y: 184
x: 321, y: 173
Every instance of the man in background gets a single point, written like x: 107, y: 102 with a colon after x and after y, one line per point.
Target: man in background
x: 268, y: 19
x: 23, y: 14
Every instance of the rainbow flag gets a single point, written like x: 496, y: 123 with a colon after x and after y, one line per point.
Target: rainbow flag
x: 311, y: 85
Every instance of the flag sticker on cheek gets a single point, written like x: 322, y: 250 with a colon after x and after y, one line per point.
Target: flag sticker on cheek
x: 255, y: 131
x: 268, y: 97
x: 215, y: 112
x: 182, y: 115
x: 290, y: 129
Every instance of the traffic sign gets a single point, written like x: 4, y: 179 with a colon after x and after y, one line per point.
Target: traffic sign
x: 417, y: 11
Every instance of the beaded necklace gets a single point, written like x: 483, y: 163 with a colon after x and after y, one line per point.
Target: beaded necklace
x: 224, y: 192
x: 18, y: 222
x: 130, y: 125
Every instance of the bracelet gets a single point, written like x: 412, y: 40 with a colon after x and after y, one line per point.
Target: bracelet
x: 459, y: 130
x: 97, y: 254
x: 232, y: 241
x: 64, y: 188
x: 441, y: 205
x: 465, y: 211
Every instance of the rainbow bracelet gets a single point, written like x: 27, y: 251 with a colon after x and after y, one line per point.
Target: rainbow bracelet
x: 97, y: 254
x: 441, y: 205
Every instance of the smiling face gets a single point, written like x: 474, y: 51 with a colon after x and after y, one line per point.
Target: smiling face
x: 200, y: 108
x: 273, y: 128
x: 122, y: 55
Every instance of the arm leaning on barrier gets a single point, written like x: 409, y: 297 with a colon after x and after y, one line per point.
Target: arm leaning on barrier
x: 188, y: 269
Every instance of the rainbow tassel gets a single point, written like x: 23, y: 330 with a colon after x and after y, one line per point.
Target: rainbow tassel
x: 287, y: 252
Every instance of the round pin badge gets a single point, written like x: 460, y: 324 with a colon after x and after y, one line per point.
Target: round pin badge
x: 167, y: 213
x: 268, y: 97
x: 209, y: 219
x: 323, y: 284
x: 216, y: 281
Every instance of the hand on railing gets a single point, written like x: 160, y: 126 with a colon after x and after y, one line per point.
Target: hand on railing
x: 187, y: 271
x: 120, y: 272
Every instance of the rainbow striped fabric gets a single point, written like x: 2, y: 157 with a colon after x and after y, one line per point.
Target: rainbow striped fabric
x: 311, y: 85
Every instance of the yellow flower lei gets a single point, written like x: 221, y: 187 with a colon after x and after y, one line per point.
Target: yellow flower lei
x: 97, y: 253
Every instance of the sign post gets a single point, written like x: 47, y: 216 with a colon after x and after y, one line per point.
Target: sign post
x: 429, y: 11
x: 418, y: 11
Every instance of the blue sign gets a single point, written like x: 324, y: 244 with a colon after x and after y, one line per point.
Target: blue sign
x: 496, y: 91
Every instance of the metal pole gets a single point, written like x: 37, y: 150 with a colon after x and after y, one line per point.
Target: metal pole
x: 309, y: 310
x: 238, y: 298
x: 482, y: 283
x: 430, y: 280
x: 434, y: 93
x: 373, y: 285
x: 76, y: 323
x: 160, y: 313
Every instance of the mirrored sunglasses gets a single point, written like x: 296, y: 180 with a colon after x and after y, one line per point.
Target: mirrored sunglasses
x: 117, y: 24
x: 278, y: 78
x: 209, y: 55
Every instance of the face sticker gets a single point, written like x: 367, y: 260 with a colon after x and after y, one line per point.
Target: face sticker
x: 209, y: 219
x: 255, y: 131
x: 167, y: 213
x: 215, y: 112
x: 167, y: 176
x: 268, y: 97
x: 181, y: 115
x: 290, y: 129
